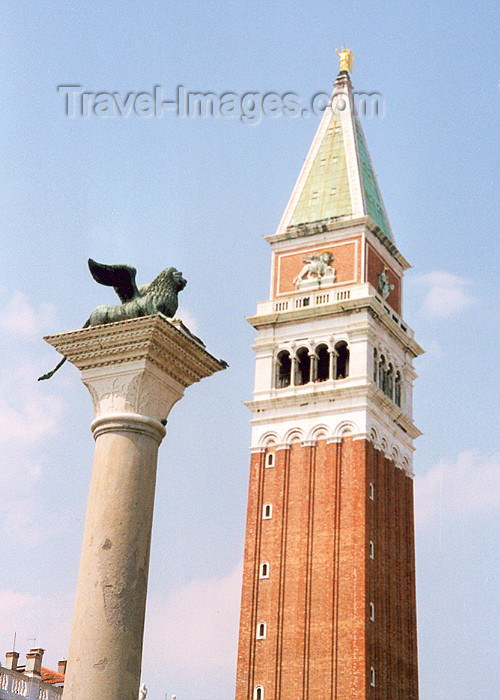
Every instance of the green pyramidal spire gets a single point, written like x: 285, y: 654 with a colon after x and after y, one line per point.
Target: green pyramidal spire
x: 326, y: 190
x: 337, y: 180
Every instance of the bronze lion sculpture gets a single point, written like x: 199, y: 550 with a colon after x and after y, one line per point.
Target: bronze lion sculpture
x: 158, y: 297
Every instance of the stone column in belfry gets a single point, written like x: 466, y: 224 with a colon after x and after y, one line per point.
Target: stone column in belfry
x: 135, y: 371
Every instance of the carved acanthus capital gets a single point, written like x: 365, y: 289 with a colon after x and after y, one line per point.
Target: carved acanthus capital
x: 140, y: 366
x: 138, y: 388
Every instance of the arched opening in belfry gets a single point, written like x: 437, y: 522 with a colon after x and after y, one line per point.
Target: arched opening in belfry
x: 397, y: 389
x: 303, y: 366
x: 382, y: 373
x: 283, y: 369
x: 342, y: 352
x: 322, y: 363
x: 389, y: 382
x: 375, y: 365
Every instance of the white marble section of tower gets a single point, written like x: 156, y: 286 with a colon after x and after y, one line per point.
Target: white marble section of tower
x: 333, y: 353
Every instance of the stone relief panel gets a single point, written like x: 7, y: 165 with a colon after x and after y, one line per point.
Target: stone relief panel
x: 314, y: 266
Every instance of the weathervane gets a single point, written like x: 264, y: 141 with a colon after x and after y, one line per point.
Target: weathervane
x: 346, y: 60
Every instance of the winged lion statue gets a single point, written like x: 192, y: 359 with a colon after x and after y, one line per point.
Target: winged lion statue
x: 160, y: 296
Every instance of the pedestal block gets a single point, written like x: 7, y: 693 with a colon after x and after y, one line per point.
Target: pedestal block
x: 135, y: 372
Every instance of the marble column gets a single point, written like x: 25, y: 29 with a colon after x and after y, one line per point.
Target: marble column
x: 135, y: 372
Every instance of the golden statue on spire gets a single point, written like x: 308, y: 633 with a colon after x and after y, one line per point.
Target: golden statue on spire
x: 346, y: 60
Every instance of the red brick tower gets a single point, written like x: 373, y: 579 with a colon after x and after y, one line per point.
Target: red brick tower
x: 328, y: 602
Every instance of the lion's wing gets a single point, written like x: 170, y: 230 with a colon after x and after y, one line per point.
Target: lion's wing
x: 120, y: 277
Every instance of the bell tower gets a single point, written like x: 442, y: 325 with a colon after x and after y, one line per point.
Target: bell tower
x: 328, y: 601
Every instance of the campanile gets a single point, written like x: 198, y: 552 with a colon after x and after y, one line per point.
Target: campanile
x: 328, y: 602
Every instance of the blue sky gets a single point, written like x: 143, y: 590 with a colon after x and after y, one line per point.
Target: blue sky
x: 200, y: 194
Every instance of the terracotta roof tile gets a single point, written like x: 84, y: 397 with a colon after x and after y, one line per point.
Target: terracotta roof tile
x: 49, y: 676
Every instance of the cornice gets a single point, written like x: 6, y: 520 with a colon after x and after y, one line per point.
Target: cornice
x: 330, y: 400
x: 315, y: 227
x: 370, y: 303
x: 393, y: 412
x: 162, y: 342
x: 386, y: 243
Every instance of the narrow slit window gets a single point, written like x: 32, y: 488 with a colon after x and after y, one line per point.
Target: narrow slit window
x: 267, y: 511
x: 270, y: 459
x: 372, y: 550
x: 371, y: 491
x: 261, y: 630
x: 264, y: 570
x: 372, y: 677
x: 258, y: 693
x: 372, y: 612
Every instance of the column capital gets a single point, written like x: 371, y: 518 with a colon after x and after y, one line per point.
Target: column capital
x: 140, y: 366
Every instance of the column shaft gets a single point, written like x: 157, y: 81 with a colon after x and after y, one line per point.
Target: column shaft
x: 105, y: 651
x: 135, y: 371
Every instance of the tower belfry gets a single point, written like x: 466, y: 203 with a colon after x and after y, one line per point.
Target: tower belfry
x: 328, y: 602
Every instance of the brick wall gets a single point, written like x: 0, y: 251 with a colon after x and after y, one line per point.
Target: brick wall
x: 320, y: 642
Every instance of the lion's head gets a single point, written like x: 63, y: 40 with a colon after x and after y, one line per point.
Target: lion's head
x: 178, y: 279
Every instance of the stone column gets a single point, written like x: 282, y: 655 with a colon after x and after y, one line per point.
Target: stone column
x: 135, y: 372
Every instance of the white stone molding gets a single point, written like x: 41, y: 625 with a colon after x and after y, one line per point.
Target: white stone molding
x: 319, y: 432
x: 384, y: 446
x: 128, y: 422
x: 162, y: 341
x: 281, y: 446
x: 269, y: 440
x: 351, y: 150
x: 346, y: 428
x: 294, y: 435
x: 362, y: 298
x: 406, y: 464
x: 394, y: 455
x: 395, y: 452
x: 360, y: 436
